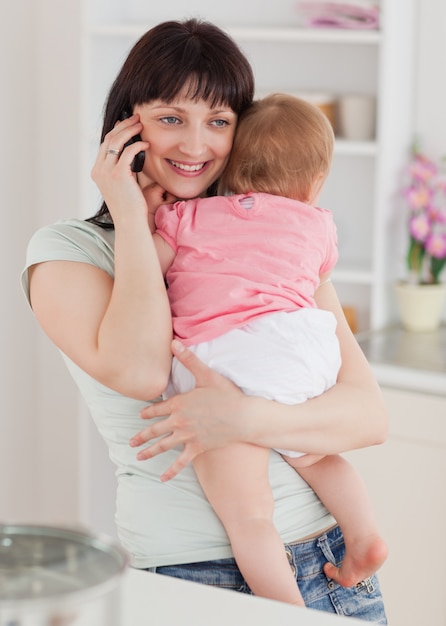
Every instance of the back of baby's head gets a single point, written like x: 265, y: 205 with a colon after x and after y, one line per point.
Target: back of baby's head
x: 281, y: 145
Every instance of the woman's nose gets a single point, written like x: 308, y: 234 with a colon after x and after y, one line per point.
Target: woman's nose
x: 193, y: 143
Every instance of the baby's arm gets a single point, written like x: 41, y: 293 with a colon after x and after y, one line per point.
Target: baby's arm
x: 324, y: 278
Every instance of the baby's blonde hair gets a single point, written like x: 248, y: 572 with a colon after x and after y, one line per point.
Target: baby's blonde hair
x: 282, y: 145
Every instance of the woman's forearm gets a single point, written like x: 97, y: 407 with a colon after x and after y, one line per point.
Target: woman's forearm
x: 350, y: 415
x: 216, y: 413
x: 135, y: 331
x: 343, y: 418
x: 136, y: 326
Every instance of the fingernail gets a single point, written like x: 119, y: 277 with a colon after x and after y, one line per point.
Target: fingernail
x: 178, y: 346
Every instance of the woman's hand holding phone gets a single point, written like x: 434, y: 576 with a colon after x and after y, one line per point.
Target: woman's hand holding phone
x: 112, y: 171
x: 138, y: 161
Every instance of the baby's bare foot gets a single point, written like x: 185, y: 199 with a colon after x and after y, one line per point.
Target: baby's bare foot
x: 362, y: 559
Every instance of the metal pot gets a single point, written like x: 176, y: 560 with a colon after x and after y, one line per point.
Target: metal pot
x: 59, y: 577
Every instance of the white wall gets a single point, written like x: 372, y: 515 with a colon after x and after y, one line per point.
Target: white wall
x: 39, y: 183
x: 430, y: 98
x: 18, y: 189
x: 59, y: 192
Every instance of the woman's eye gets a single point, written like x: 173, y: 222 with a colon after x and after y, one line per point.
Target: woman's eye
x: 170, y: 119
x: 220, y: 123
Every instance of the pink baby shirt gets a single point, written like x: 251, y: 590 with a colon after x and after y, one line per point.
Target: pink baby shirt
x: 234, y: 264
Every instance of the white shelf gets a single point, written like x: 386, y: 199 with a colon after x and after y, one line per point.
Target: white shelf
x: 307, y: 35
x: 356, y: 148
x: 353, y: 276
x: 257, y: 34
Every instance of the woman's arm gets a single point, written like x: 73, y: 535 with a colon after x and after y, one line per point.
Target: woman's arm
x: 119, y: 331
x: 349, y: 415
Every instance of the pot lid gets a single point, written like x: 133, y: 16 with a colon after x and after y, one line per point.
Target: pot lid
x: 39, y: 562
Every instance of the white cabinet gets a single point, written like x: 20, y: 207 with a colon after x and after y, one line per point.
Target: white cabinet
x: 405, y: 478
x: 364, y: 180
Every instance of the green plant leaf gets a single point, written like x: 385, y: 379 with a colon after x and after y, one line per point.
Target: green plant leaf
x: 436, y: 267
x: 415, y: 256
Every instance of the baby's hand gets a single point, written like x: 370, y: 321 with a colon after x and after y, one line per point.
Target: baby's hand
x: 155, y: 196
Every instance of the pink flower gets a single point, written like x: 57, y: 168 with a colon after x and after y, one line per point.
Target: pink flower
x: 436, y: 245
x: 425, y: 195
x: 418, y: 196
x: 420, y: 227
x: 422, y: 168
x: 436, y: 213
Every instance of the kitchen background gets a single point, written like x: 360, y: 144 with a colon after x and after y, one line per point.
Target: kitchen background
x: 53, y: 467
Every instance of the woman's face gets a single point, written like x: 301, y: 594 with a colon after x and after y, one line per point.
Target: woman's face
x: 189, y: 141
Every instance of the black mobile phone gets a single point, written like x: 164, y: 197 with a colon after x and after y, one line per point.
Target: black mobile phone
x: 138, y: 161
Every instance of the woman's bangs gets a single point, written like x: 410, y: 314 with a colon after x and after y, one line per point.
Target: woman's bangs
x: 210, y: 87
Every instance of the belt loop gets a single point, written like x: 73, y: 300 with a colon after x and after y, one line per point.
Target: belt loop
x: 291, y: 559
x: 323, y: 544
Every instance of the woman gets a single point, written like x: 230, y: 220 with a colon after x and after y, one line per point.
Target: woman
x: 97, y: 290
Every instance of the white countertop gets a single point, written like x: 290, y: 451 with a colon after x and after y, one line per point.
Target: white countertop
x: 158, y: 600
x: 407, y: 360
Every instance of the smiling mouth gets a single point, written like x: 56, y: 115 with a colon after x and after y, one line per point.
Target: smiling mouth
x: 187, y: 168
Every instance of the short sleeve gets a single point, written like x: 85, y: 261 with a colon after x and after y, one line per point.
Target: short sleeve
x: 332, y: 253
x: 71, y: 240
x: 167, y: 220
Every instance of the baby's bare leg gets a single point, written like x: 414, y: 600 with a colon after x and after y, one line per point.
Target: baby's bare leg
x: 235, y: 481
x: 343, y: 492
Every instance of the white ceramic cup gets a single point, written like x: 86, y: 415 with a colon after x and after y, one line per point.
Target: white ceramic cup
x: 356, y: 117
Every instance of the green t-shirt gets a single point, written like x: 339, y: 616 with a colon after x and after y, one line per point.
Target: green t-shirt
x: 160, y: 523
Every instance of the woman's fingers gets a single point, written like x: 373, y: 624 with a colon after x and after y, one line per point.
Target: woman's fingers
x: 189, y: 452
x: 170, y: 440
x: 112, y: 170
x: 158, y: 409
x: 155, y: 430
x: 114, y: 149
x: 201, y: 419
x: 204, y: 375
x: 122, y: 132
x: 162, y: 445
x: 186, y: 457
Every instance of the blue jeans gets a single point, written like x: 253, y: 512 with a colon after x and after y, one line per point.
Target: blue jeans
x: 306, y: 558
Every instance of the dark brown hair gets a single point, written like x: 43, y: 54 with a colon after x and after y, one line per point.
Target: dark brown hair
x: 281, y: 145
x: 168, y: 57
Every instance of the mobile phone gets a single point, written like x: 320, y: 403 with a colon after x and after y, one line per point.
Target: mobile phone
x: 138, y: 161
